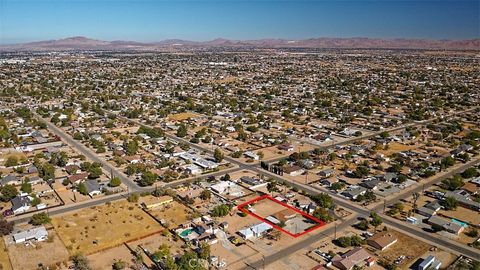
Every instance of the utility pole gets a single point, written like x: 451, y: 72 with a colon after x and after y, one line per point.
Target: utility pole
x: 335, y: 233
x: 384, y: 205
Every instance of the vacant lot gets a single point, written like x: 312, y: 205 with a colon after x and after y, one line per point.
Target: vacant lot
x: 174, y: 213
x: 463, y: 214
x: 49, y: 253
x: 98, y: 228
x: 4, y: 261
x: 395, y: 147
x: 409, y: 247
x: 182, y: 116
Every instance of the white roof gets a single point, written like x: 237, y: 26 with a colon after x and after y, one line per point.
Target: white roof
x: 34, y: 233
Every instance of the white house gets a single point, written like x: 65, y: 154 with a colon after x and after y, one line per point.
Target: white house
x: 252, y: 155
x: 38, y: 234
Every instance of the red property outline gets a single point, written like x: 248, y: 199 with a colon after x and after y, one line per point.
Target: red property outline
x: 266, y: 196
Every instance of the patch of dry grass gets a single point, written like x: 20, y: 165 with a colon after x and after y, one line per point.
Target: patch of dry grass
x: 97, y: 228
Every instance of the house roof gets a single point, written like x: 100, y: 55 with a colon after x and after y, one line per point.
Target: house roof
x: 290, y: 169
x: 19, y: 202
x: 34, y: 233
x: 351, y: 258
x: 382, y: 239
x: 92, y: 185
x: 78, y: 176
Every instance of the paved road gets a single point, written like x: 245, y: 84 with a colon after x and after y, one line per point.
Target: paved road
x: 308, y: 240
x: 69, y: 208
x: 396, y: 224
x: 402, y: 226
x: 240, y: 164
x: 91, y: 155
x: 428, y: 184
x: 376, y: 133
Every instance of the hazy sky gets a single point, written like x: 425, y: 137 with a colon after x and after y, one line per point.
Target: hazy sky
x: 143, y: 20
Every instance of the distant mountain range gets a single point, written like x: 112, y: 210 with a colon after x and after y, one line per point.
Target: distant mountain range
x: 83, y: 43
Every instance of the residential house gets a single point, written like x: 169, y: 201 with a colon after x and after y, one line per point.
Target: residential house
x: 252, y: 155
x: 256, y: 230
x: 429, y: 209
x: 77, y: 178
x: 429, y: 263
x: 382, y: 240
x: 93, y: 187
x: 293, y: 170
x: 325, y: 173
x: 352, y: 192
x: 37, y: 234
x: 357, y: 256
x: 285, y: 147
x: 151, y: 202
x: 20, y: 204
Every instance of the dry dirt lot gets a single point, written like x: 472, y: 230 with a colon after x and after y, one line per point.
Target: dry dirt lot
x: 105, y: 259
x: 463, y: 214
x: 97, y: 228
x: 4, y: 260
x: 182, y: 116
x: 409, y: 247
x: 174, y: 213
x: 395, y: 147
x: 49, y: 253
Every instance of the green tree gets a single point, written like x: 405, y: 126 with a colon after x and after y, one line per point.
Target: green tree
x: 323, y: 215
x: 453, y: 183
x: 362, y: 225
x: 118, y: 265
x: 344, y: 241
x: 131, y: 147
x: 94, y: 172
x: 46, y: 171
x: 189, y: 261
x: 115, y: 182
x: 26, y: 187
x: 82, y: 189
x: 9, y: 192
x: 81, y: 262
x: 361, y: 171
x: 182, y: 131
x: 376, y: 220
x: 206, y: 194
x: 221, y: 210
x: 469, y: 173
x: 204, y: 251
x: 450, y: 203
x: 5, y: 227
x: 148, y: 179
x: 39, y: 219
x: 133, y: 197
x: 218, y: 155
x: 323, y: 200
x: 11, y: 161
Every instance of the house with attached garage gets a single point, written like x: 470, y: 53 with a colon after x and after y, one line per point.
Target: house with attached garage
x: 20, y: 204
x: 93, y: 188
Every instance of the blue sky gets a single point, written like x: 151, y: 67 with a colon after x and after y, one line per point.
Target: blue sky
x: 149, y: 20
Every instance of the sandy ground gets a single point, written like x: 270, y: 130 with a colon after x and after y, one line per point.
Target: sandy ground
x: 48, y: 253
x: 174, y: 213
x: 105, y: 259
x: 182, y: 116
x: 409, y: 247
x: 463, y: 214
x: 395, y: 147
x: 97, y: 228
x: 4, y: 260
